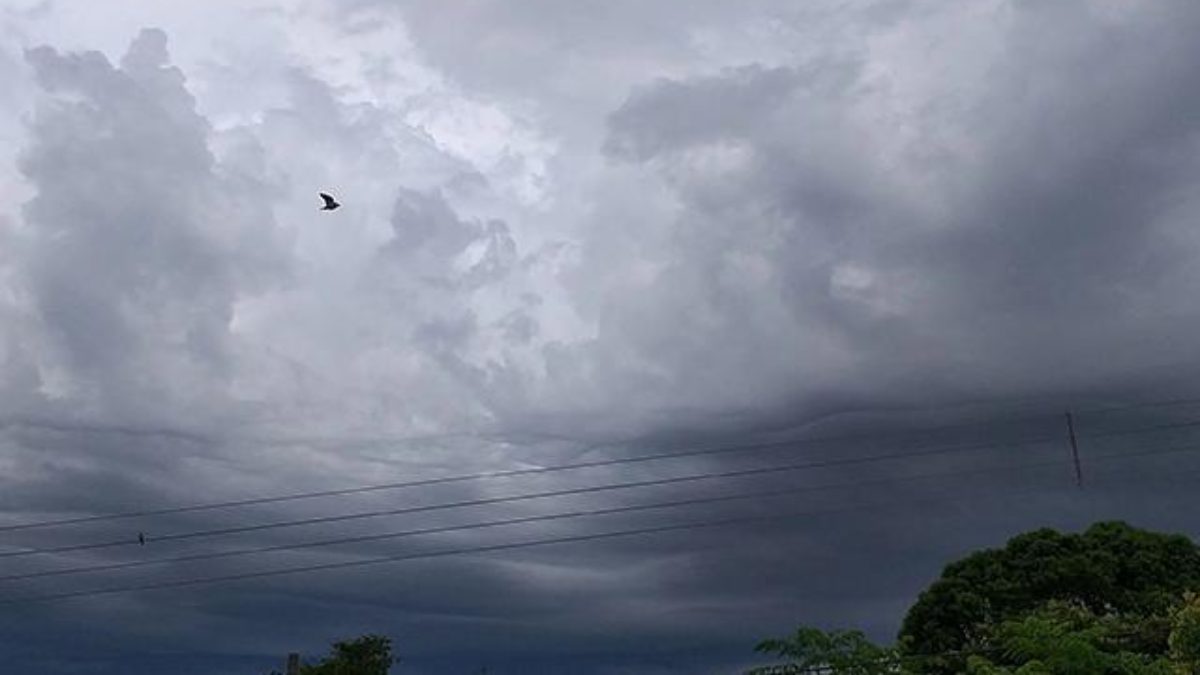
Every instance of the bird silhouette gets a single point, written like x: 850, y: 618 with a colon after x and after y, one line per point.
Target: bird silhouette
x: 142, y: 538
x: 330, y: 202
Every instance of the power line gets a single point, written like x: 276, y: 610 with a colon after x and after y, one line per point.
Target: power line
x: 427, y: 482
x: 486, y: 475
x: 243, y: 576
x: 571, y: 491
x: 489, y: 548
x: 510, y: 521
x: 240, y: 529
x: 758, y: 494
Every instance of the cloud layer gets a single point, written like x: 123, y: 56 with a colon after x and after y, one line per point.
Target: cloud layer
x: 613, y: 229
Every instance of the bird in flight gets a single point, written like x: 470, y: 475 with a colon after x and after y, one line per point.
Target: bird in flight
x: 330, y: 202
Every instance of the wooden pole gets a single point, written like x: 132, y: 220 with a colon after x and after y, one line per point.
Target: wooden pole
x: 1074, y: 451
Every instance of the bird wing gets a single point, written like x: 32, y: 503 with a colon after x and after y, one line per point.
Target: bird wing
x: 329, y: 201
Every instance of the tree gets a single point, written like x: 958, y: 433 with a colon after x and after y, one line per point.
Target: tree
x: 1067, y: 639
x: 367, y: 655
x: 1114, y: 600
x: 1110, y: 570
x: 1184, y: 640
x: 841, y: 652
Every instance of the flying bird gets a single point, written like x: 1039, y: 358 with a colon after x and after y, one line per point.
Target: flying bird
x: 330, y: 202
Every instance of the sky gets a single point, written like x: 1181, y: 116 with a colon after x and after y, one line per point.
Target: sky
x: 775, y: 240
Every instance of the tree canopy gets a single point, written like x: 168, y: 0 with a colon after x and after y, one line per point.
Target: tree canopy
x: 810, y: 650
x: 1112, y: 600
x: 1112, y: 571
x: 367, y: 655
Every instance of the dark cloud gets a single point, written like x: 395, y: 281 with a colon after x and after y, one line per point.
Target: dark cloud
x: 571, y: 235
x: 1037, y: 250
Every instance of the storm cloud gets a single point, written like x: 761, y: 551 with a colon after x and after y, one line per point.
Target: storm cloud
x: 571, y: 233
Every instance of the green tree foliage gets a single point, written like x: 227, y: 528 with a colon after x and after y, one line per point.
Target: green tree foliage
x: 1067, y: 639
x: 1111, y: 570
x: 1114, y: 600
x: 367, y: 655
x: 1184, y: 640
x: 810, y: 650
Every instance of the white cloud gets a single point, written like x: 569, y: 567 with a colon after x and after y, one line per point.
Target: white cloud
x: 135, y: 246
x: 757, y: 231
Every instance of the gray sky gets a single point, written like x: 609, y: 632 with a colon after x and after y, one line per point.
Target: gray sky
x: 574, y: 231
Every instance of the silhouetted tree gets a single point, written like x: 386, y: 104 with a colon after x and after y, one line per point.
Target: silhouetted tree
x: 367, y: 655
x: 841, y: 652
x: 1111, y: 570
x: 1114, y: 600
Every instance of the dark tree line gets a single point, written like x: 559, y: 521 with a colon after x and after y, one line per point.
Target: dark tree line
x: 1113, y: 600
x: 366, y: 655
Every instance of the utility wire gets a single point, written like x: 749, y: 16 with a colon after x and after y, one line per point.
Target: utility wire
x: 758, y: 494
x: 489, y: 548
x: 195, y: 534
x: 708, y: 451
x: 511, y: 521
x: 509, y: 473
x: 240, y: 529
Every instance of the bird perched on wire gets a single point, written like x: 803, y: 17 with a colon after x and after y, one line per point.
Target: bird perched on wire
x: 330, y: 202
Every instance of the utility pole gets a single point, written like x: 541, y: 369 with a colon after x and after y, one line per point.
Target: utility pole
x: 293, y: 664
x: 1074, y: 451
